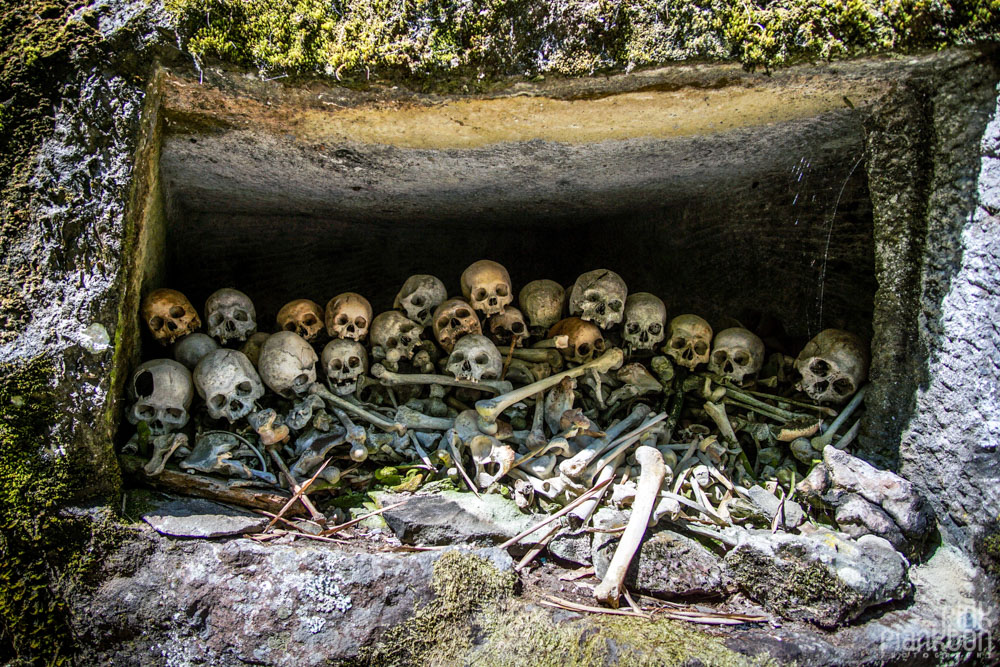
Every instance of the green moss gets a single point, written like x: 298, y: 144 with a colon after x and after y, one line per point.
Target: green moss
x: 358, y: 39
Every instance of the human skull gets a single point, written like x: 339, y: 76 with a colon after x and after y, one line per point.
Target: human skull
x: 507, y: 326
x: 475, y: 358
x: 348, y: 315
x: 192, y: 348
x: 287, y: 364
x: 396, y: 334
x: 599, y: 297
x: 169, y: 315
x: 645, y: 321
x: 162, y: 391
x: 690, y: 341
x: 833, y: 366
x: 419, y: 296
x: 251, y: 348
x: 231, y: 315
x: 344, y: 361
x: 453, y: 319
x: 228, y: 383
x: 486, y: 285
x: 302, y: 316
x: 585, y: 339
x: 736, y: 354
x: 541, y: 302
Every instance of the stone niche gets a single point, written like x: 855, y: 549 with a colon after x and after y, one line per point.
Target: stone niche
x: 845, y: 196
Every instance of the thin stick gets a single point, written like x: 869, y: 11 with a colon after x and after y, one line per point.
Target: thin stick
x: 537, y: 549
x: 294, y: 485
x: 298, y: 493
x: 510, y: 355
x: 565, y: 510
x: 461, y: 469
x: 348, y: 524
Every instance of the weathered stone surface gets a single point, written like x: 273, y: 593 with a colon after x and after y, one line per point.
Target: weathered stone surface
x: 237, y: 602
x: 196, y: 517
x: 856, y: 517
x: 769, y: 504
x: 572, y: 546
x: 824, y: 578
x: 458, y: 518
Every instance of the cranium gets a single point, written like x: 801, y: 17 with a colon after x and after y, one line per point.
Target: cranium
x: 542, y: 303
x: 231, y: 315
x: 287, y: 364
x: 302, y: 316
x: 348, y: 315
x: 396, y: 334
x: 162, y: 391
x: 690, y: 341
x: 645, y: 321
x: 487, y: 450
x: 419, y: 296
x: 833, y: 366
x: 169, y: 315
x: 736, y: 354
x: 507, y: 326
x: 192, y: 348
x: 585, y: 339
x: 251, y: 348
x: 486, y: 285
x: 453, y: 319
x: 344, y: 362
x: 599, y: 297
x: 475, y: 358
x: 228, y: 383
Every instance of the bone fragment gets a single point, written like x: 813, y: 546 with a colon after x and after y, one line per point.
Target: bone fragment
x: 566, y: 510
x: 718, y: 415
x: 490, y: 409
x: 574, y: 467
x: 389, y: 379
x: 620, y: 446
x: 821, y: 441
x: 163, y: 447
x: 371, y: 418
x: 556, y: 342
x: 585, y: 509
x: 647, y: 492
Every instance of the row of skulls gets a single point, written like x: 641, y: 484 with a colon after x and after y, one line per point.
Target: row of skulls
x: 833, y: 365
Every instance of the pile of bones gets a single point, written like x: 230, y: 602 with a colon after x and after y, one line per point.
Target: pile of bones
x: 608, y: 405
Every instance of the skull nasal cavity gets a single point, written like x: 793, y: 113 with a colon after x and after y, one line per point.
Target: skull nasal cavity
x: 144, y: 384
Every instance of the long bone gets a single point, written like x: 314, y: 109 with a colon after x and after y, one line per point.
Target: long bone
x: 619, y: 447
x: 490, y: 409
x: 574, y: 467
x: 356, y: 435
x: 554, y: 343
x: 389, y: 379
x: 347, y: 406
x: 410, y: 418
x: 652, y: 472
x: 718, y: 415
x: 821, y: 441
x: 548, y: 356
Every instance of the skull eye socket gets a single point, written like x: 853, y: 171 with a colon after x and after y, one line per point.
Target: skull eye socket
x: 517, y: 328
x: 457, y: 357
x: 820, y: 368
x: 175, y: 413
x: 482, y: 359
x: 354, y: 362
x: 289, y: 326
x: 502, y: 289
x: 244, y: 388
x: 677, y: 343
x: 218, y: 401
x: 336, y: 365
x: 583, y: 349
x: 360, y: 323
x: 655, y: 328
x: 632, y: 328
x: 215, y: 319
x: 300, y: 380
x: 592, y: 296
x: 145, y: 411
x: 599, y: 344
x: 342, y: 319
x: 741, y: 358
x: 156, y: 323
x: 241, y: 315
x: 309, y: 320
x: 442, y: 323
x: 479, y: 294
x: 417, y: 300
x: 392, y: 342
x: 843, y: 387
x: 700, y: 348
x: 720, y: 357
x: 615, y: 305
x: 176, y: 311
x: 463, y: 313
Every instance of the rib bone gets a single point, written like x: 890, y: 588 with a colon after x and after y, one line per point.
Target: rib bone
x: 652, y: 472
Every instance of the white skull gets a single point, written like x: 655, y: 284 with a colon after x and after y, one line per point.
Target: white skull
x: 419, y: 297
x: 690, y: 341
x: 506, y: 326
x: 228, y: 383
x: 344, y: 361
x: 488, y: 451
x: 736, y: 354
x: 645, y: 321
x: 396, y: 334
x: 541, y: 302
x: 230, y: 315
x: 599, y: 297
x: 190, y: 349
x: 162, y: 391
x: 833, y: 366
x: 302, y: 316
x: 348, y: 315
x: 585, y: 339
x: 475, y: 358
x: 169, y: 315
x: 486, y: 285
x: 453, y: 319
x: 287, y: 364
